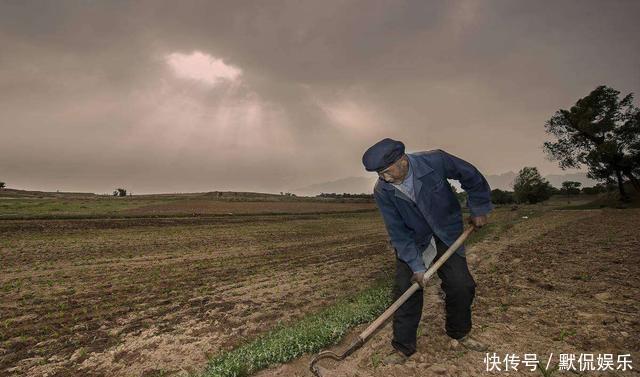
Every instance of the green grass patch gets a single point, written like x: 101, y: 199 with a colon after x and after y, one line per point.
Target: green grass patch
x: 608, y: 200
x: 16, y: 204
x: 308, y: 335
x: 116, y: 208
x: 565, y: 333
x: 35, y: 208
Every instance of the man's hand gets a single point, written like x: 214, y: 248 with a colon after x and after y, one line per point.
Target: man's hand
x: 479, y: 221
x: 418, y: 277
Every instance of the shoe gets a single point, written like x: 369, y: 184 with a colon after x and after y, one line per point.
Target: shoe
x: 395, y: 358
x: 472, y: 344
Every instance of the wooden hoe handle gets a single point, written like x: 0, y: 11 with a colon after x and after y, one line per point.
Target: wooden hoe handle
x: 427, y: 275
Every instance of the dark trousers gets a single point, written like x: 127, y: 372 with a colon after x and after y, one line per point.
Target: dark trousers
x: 459, y: 288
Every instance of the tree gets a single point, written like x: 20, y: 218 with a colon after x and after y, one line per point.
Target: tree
x: 529, y: 186
x: 501, y: 197
x: 570, y: 188
x: 2, y: 185
x: 120, y: 192
x: 601, y: 132
x: 597, y: 189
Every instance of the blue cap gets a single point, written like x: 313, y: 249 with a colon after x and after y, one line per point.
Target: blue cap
x: 382, y: 154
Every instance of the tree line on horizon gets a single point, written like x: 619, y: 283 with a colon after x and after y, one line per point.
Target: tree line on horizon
x: 530, y: 187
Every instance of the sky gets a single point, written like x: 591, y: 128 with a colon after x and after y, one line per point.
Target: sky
x: 194, y: 96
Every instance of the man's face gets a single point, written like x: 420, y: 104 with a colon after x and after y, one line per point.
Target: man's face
x: 396, y: 172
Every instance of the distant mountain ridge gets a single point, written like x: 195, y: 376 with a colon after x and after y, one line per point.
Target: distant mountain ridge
x: 364, y: 185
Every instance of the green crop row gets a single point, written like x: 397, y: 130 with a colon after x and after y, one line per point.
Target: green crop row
x: 308, y: 335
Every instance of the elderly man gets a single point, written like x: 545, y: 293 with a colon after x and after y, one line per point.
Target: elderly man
x: 421, y: 211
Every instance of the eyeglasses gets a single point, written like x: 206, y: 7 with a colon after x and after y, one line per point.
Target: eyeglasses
x: 385, y: 172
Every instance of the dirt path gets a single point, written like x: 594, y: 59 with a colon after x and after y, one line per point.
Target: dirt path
x: 564, y: 282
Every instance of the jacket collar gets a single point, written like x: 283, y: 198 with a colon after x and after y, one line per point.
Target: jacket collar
x: 420, y: 169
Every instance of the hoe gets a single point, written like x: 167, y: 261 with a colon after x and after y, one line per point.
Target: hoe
x: 362, y: 338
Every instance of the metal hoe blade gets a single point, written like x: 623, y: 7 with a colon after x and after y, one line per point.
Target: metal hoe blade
x: 332, y: 355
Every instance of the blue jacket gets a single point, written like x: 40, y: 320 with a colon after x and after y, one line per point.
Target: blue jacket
x: 411, y: 225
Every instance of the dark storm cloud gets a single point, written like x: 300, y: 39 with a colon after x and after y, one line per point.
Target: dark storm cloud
x: 88, y: 100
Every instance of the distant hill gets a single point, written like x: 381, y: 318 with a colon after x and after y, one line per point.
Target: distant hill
x: 10, y: 193
x: 360, y: 185
x: 351, y: 185
x: 15, y: 193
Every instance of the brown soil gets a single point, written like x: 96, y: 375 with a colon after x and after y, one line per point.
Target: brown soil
x: 64, y: 225
x: 564, y: 282
x: 244, y: 207
x: 155, y: 297
x: 148, y: 300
